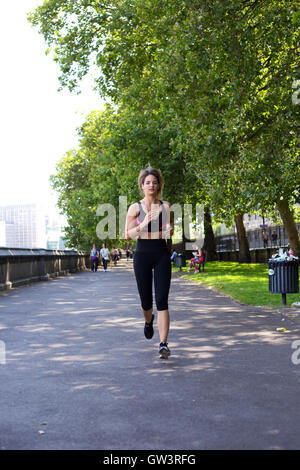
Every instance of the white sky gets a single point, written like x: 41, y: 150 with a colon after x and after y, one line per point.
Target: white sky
x: 37, y: 123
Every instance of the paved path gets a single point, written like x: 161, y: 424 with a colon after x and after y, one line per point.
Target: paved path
x: 79, y: 369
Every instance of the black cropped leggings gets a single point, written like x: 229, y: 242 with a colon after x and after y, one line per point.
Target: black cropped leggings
x: 152, y: 256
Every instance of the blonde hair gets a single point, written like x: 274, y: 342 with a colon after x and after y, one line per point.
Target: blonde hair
x: 154, y: 172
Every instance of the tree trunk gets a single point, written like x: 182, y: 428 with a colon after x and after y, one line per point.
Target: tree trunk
x: 169, y: 244
x: 244, y: 252
x: 289, y: 225
x: 209, y: 245
x: 186, y: 234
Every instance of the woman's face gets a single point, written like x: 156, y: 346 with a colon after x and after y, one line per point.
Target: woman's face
x: 150, y: 185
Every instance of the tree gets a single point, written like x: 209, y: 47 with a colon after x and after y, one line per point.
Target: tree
x: 114, y: 146
x: 209, y: 245
x: 217, y: 68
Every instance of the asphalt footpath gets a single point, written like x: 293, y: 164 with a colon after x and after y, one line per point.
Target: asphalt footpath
x: 77, y: 372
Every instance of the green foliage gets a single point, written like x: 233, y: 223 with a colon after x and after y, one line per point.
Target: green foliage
x: 202, y: 90
x: 114, y: 146
x: 246, y: 283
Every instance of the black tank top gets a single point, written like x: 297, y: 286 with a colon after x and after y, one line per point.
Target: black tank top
x: 157, y: 225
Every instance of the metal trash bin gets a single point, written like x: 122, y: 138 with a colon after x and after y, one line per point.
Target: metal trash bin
x: 283, y: 277
x: 179, y: 261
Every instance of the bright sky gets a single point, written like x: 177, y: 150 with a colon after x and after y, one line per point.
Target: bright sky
x: 37, y: 123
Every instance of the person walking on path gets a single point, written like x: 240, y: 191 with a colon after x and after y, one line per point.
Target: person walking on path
x: 201, y: 259
x: 150, y: 221
x: 115, y: 255
x: 173, y: 255
x: 265, y: 238
x: 94, y: 256
x: 104, y: 252
x: 274, y: 239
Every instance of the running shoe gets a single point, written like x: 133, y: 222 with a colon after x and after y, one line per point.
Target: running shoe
x: 164, y: 351
x: 148, y: 329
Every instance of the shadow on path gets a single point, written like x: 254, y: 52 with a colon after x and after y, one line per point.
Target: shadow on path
x: 77, y: 361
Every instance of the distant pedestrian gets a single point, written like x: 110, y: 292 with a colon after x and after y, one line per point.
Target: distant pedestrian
x: 115, y: 255
x: 173, y: 255
x: 274, y: 238
x: 201, y: 259
x: 104, y: 252
x: 265, y: 238
x: 94, y: 256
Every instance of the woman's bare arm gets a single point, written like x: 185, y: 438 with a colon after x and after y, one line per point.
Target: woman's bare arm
x: 131, y: 231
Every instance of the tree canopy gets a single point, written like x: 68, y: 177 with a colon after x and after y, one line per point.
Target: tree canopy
x: 202, y: 89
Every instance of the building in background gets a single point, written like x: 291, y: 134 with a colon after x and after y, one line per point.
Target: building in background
x: 251, y: 222
x: 55, y: 238
x: 2, y: 233
x: 255, y: 221
x: 28, y: 226
x: 25, y: 226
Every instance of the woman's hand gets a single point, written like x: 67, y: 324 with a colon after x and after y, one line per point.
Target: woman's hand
x: 168, y: 231
x: 153, y: 214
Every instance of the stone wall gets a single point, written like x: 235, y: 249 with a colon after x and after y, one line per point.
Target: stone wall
x: 21, y: 266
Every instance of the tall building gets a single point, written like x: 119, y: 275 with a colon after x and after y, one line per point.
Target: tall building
x: 2, y: 233
x: 22, y: 226
x: 55, y: 237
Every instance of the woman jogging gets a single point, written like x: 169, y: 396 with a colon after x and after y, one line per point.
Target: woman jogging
x: 149, y: 220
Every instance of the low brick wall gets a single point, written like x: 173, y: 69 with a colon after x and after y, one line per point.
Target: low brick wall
x: 20, y: 266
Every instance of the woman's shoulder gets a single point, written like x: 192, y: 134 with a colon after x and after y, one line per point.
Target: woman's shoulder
x: 166, y: 203
x: 133, y: 209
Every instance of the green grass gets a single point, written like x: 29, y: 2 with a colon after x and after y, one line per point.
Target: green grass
x: 246, y: 283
